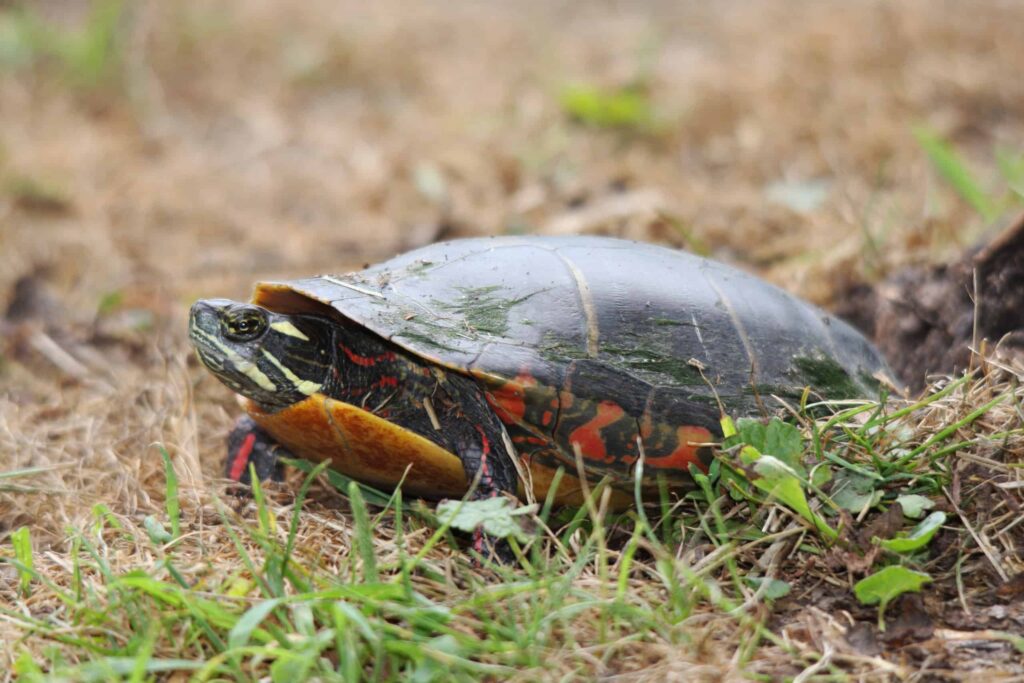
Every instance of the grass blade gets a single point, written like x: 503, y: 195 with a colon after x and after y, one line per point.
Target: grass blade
x: 364, y: 534
x: 953, y: 169
x: 173, y: 503
x: 22, y: 541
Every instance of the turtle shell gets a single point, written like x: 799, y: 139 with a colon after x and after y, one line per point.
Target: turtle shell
x: 597, y: 344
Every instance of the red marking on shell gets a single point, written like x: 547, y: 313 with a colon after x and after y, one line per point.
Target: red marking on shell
x: 387, y: 381
x: 685, y: 454
x: 588, y: 436
x: 509, y: 402
x: 365, y: 361
x: 242, y: 456
x: 546, y: 418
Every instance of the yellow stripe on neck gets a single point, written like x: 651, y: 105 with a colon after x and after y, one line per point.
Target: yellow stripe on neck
x: 303, y: 385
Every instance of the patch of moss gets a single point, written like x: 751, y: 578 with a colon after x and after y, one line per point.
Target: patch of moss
x: 557, y: 350
x: 427, y: 340
x: 765, y: 390
x: 826, y: 376
x: 483, y: 308
x: 420, y: 266
x: 651, y: 360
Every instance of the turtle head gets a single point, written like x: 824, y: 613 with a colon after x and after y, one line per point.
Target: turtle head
x: 272, y: 358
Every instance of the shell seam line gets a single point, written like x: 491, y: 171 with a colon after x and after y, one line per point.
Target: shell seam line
x: 755, y: 369
x: 587, y: 301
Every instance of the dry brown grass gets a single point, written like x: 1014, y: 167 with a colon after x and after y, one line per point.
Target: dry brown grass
x: 240, y: 141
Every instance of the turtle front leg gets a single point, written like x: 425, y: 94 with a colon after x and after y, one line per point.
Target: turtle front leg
x: 249, y: 443
x: 476, y: 437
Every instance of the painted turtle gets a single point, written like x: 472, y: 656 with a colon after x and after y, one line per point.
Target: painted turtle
x: 444, y: 357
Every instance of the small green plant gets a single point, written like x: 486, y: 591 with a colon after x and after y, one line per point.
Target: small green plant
x: 918, y: 537
x: 87, y: 57
x: 37, y: 194
x: 887, y: 584
x: 624, y: 108
x: 770, y: 459
x: 497, y: 517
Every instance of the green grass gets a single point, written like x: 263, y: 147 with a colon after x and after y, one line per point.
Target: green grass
x: 989, y: 203
x: 87, y: 56
x: 297, y: 590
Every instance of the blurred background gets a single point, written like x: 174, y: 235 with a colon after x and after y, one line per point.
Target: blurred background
x: 155, y: 152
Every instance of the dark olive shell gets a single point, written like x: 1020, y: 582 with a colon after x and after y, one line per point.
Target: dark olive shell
x: 650, y: 315
x: 601, y: 342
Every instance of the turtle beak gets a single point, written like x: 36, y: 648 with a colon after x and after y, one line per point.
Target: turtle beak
x: 205, y: 315
x: 204, y: 325
x: 209, y: 307
x: 204, y: 319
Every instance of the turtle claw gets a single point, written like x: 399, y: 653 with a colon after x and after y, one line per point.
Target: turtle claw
x: 248, y: 444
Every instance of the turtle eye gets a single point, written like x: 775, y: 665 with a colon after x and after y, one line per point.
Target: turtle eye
x: 245, y: 324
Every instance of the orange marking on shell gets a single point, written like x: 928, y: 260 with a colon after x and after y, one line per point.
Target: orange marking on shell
x: 685, y: 454
x: 546, y: 418
x: 588, y: 435
x: 526, y: 379
x: 363, y: 446
x: 509, y: 402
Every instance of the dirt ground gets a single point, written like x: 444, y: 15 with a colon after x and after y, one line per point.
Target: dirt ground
x: 234, y: 141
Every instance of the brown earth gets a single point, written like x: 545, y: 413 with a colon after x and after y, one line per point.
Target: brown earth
x: 929, y: 320
x: 233, y: 141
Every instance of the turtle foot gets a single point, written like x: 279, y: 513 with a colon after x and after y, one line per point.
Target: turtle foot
x: 248, y: 444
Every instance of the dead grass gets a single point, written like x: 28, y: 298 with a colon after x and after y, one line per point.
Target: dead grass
x: 235, y: 141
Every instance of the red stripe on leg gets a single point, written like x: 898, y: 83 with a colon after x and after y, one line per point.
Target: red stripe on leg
x: 485, y: 471
x: 241, y: 458
x: 479, y: 544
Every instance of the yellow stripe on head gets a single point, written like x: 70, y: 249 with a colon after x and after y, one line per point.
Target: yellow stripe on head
x: 285, y: 327
x: 247, y: 368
